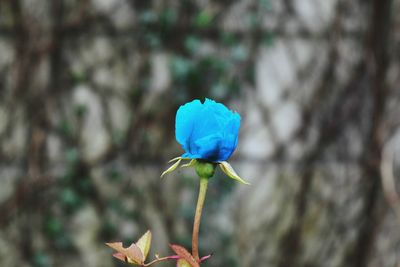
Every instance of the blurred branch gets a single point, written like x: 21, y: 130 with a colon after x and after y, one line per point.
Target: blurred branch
x: 88, y: 27
x: 24, y: 197
x: 377, y: 66
x: 388, y: 181
x: 328, y: 133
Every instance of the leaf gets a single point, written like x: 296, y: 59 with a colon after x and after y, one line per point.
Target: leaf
x: 203, y: 19
x: 172, y: 168
x: 228, y: 170
x: 120, y: 256
x: 183, y: 263
x: 183, y: 253
x: 131, y: 254
x: 190, y: 164
x: 144, y: 244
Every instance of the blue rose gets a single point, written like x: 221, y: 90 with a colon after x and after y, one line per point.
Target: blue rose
x: 207, y: 131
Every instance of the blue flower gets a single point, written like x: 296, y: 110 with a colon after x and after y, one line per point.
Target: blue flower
x: 207, y: 131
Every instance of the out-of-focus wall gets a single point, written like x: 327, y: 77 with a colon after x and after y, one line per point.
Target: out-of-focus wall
x: 88, y: 95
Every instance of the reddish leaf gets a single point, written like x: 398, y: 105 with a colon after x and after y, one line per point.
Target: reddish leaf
x: 119, y: 256
x: 132, y: 254
x: 183, y: 253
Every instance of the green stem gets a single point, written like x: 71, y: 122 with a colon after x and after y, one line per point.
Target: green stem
x: 197, y: 217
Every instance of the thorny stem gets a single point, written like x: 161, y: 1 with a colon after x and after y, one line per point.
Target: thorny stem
x: 197, y: 217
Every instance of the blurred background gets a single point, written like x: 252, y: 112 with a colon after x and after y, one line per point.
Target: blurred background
x: 88, y: 95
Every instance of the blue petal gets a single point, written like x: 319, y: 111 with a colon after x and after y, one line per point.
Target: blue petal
x: 207, y: 124
x: 233, y: 125
x: 191, y: 156
x: 230, y: 139
x: 217, y: 107
x: 213, y: 119
x: 219, y: 111
x: 186, y: 117
x: 227, y: 146
x: 207, y: 131
x: 208, y: 147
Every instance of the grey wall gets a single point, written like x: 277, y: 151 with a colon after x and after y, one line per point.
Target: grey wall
x: 88, y: 95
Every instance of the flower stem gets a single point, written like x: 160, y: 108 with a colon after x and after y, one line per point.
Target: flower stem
x: 197, y: 217
x: 157, y: 260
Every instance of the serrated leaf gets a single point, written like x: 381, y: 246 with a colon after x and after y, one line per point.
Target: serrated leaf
x: 183, y: 253
x: 183, y: 263
x: 172, y: 168
x: 144, y: 244
x: 190, y: 164
x: 228, y: 170
x: 131, y: 254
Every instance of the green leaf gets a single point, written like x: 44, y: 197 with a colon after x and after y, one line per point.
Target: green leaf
x: 181, y: 67
x: 228, y: 170
x: 168, y: 17
x: 72, y: 155
x: 203, y: 19
x: 173, y: 167
x: 69, y: 198
x: 148, y: 17
x: 54, y: 226
x: 40, y: 259
x: 144, y: 244
x: 268, y: 39
x: 192, y: 43
x: 239, y: 52
x: 80, y: 110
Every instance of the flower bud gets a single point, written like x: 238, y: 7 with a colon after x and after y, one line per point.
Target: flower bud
x: 207, y: 131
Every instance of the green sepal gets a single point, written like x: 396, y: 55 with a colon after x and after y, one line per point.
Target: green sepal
x: 173, y: 166
x: 228, y: 170
x: 190, y: 164
x: 175, y: 159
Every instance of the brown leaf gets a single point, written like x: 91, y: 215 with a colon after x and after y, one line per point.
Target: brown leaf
x: 183, y: 253
x: 131, y: 254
